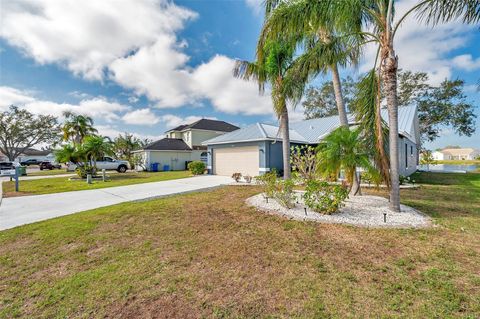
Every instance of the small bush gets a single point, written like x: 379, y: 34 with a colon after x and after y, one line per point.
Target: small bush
x: 84, y: 170
x: 248, y: 178
x: 237, y: 176
x: 284, y: 193
x: 324, y: 198
x: 268, y: 182
x: 196, y: 167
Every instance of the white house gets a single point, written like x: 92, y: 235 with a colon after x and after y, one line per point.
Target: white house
x: 456, y: 154
x: 183, y: 144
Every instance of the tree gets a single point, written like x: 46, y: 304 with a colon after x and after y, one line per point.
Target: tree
x: 427, y: 159
x: 20, y: 130
x: 275, y: 66
x: 320, y: 101
x: 96, y: 147
x: 438, y: 106
x: 343, y: 149
x: 313, y: 25
x: 440, y: 11
x: 76, y: 127
x: 124, y: 145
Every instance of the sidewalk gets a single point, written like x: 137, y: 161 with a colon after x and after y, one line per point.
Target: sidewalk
x: 15, y: 211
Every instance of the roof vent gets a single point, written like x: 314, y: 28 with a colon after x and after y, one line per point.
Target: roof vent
x: 311, y: 127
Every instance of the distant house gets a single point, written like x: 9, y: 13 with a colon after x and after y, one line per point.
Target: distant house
x: 31, y: 153
x: 456, y: 154
x: 183, y: 144
x: 257, y: 149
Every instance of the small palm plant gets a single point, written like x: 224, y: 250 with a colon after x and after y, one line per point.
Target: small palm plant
x: 343, y: 149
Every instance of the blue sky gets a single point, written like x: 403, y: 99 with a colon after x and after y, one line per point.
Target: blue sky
x: 145, y: 66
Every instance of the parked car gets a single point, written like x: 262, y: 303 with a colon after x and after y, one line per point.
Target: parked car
x: 6, y: 165
x: 106, y: 163
x: 29, y: 162
x: 49, y: 165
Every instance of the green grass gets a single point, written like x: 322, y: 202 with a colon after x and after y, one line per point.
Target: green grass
x: 49, y: 172
x: 459, y: 162
x: 63, y: 184
x: 208, y: 255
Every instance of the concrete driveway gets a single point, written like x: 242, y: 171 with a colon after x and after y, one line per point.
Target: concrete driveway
x: 15, y: 211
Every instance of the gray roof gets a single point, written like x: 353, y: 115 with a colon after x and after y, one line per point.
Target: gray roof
x: 207, y: 124
x: 168, y: 144
x: 311, y: 131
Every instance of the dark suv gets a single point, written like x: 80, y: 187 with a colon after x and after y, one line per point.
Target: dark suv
x: 30, y: 162
x: 49, y: 165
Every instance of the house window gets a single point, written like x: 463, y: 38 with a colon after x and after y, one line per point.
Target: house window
x: 406, y: 155
x: 411, y: 150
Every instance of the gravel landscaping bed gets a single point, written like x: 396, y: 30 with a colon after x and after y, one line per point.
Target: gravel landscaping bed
x: 364, y: 211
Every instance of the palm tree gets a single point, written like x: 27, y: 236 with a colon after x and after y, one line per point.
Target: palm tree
x: 310, y: 23
x: 76, y: 127
x: 343, y: 149
x: 275, y: 66
x: 440, y: 11
x: 124, y: 145
x: 96, y: 147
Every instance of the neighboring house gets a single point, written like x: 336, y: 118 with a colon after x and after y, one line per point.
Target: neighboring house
x: 257, y: 149
x: 456, y: 154
x: 31, y: 153
x: 183, y: 144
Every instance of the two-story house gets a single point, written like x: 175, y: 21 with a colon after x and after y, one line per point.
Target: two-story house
x: 183, y: 144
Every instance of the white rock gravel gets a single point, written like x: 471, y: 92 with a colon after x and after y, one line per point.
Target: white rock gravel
x: 364, y: 211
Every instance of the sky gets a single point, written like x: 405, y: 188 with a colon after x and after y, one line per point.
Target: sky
x: 145, y: 66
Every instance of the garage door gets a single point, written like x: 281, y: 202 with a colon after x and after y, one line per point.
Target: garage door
x: 227, y: 161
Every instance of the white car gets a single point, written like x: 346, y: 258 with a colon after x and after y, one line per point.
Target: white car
x: 106, y: 163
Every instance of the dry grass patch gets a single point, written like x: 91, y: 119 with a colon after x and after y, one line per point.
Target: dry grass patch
x: 209, y: 255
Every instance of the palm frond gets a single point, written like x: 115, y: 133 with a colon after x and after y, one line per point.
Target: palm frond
x: 440, y: 11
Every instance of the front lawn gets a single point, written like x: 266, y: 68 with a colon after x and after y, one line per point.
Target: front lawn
x: 458, y: 162
x: 63, y: 184
x: 48, y: 172
x: 207, y: 254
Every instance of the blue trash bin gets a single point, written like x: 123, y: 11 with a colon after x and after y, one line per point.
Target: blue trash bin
x: 166, y: 168
x: 154, y: 167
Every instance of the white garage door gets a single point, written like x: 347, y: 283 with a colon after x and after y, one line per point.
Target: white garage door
x: 227, y: 161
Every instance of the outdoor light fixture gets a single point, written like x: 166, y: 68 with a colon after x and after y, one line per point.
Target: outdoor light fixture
x: 384, y: 217
x: 305, y: 208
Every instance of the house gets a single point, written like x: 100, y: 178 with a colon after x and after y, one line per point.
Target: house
x: 31, y: 153
x: 456, y: 154
x: 257, y: 148
x: 183, y: 144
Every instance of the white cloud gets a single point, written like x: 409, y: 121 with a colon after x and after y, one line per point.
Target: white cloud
x: 141, y: 117
x: 104, y: 38
x: 423, y: 48
x: 86, y: 36
x: 466, y: 62
x: 97, y: 107
x: 112, y: 132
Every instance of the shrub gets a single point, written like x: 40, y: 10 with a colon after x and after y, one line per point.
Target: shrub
x: 304, y: 162
x: 237, y: 176
x: 196, y: 167
x: 324, y: 198
x: 247, y: 178
x: 283, y: 193
x: 268, y: 182
x: 83, y: 170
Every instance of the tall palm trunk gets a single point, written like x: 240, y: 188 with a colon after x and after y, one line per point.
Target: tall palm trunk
x: 382, y: 158
x: 337, y: 88
x: 389, y: 74
x: 285, y: 131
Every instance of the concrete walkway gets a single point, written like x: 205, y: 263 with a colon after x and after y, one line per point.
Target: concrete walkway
x: 15, y: 211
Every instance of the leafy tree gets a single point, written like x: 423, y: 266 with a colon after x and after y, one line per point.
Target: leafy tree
x: 320, y: 101
x: 343, y: 149
x: 275, y: 66
x: 438, y: 106
x: 124, y: 145
x: 96, y: 147
x: 76, y: 127
x: 427, y: 159
x: 20, y: 130
x: 326, y: 42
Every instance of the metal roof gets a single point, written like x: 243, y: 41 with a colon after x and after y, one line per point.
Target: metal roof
x: 312, y: 131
